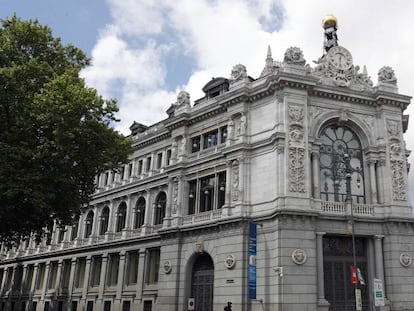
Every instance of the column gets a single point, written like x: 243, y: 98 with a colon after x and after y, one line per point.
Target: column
x: 315, y: 174
x: 322, y: 303
x: 45, y: 280
x: 379, y: 260
x: 99, y: 302
x: 95, y: 223
x: 170, y: 201
x: 380, y: 180
x: 3, y: 283
x: 128, y: 219
x: 373, y: 182
x: 71, y: 277
x: 134, y: 169
x: 81, y: 228
x: 59, y: 275
x: 126, y: 173
x: 227, y: 203
x: 23, y: 282
x: 120, y: 281
x: 140, y: 280
x: 35, y: 275
x: 86, y: 278
x: 148, y: 211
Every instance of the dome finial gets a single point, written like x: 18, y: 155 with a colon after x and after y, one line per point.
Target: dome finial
x: 330, y: 25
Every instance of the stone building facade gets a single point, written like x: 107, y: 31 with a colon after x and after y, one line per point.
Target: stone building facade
x: 261, y: 193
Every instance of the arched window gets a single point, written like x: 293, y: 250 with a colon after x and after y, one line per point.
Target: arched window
x: 121, y: 217
x: 89, y: 224
x: 139, y: 213
x: 340, y: 154
x: 104, y: 221
x: 75, y: 227
x: 160, y: 204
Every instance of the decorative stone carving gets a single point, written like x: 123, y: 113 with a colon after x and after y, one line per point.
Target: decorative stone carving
x: 296, y: 169
x: 405, y: 260
x: 398, y: 180
x: 238, y: 73
x: 386, y: 75
x: 299, y: 256
x: 167, y: 267
x: 230, y: 261
x: 294, y: 56
x: 199, y: 246
x: 235, y: 181
x: 393, y: 129
x: 183, y: 99
x: 296, y: 164
x: 175, y: 195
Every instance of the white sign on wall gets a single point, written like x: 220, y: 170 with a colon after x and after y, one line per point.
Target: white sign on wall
x: 378, y: 293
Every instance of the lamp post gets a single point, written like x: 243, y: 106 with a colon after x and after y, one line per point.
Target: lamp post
x: 348, y: 203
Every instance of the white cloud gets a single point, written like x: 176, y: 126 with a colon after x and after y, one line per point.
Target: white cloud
x: 132, y: 53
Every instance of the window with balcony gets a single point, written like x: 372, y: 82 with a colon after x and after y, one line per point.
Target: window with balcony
x: 121, y: 217
x: 160, y: 206
x: 340, y: 154
x: 139, y: 213
x: 209, y: 139
x: 207, y: 193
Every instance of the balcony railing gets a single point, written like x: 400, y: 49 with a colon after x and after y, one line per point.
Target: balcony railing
x: 202, y: 217
x: 339, y: 208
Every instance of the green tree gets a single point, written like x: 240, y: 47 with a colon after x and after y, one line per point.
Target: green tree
x: 56, y: 134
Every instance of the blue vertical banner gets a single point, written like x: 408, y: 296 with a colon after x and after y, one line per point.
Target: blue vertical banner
x: 252, y: 260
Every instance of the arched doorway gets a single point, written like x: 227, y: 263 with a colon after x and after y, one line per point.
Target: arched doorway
x: 202, y: 283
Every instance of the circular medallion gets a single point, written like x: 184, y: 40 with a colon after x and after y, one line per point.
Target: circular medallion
x: 299, y: 256
x: 230, y: 261
x: 167, y: 266
x: 405, y: 260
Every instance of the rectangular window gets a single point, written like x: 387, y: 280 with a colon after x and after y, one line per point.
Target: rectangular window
x: 130, y: 167
x: 159, y: 160
x: 195, y: 144
x: 147, y: 305
x: 106, y: 179
x: 60, y: 306
x: 148, y: 167
x: 66, y: 267
x: 153, y: 265
x: 206, y: 193
x: 113, y: 269
x: 52, y: 275
x: 74, y: 306
x: 126, y: 306
x: 223, y: 134
x: 80, y: 272
x: 89, y: 306
x: 132, y: 267
x: 107, y: 306
x: 96, y: 271
x: 168, y: 162
x: 47, y: 305
x: 40, y: 276
x: 210, y: 139
x: 140, y: 165
x: 1, y: 276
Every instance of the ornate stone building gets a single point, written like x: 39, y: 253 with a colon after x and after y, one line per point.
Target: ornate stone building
x: 264, y: 193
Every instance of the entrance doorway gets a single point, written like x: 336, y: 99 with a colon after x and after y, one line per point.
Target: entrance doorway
x: 202, y: 283
x: 337, y: 262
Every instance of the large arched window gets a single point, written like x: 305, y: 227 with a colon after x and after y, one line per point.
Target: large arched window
x: 104, y: 221
x: 340, y: 153
x: 89, y: 224
x: 160, y: 204
x: 139, y: 213
x: 121, y: 217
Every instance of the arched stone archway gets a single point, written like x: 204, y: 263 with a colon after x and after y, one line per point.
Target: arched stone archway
x: 202, y: 282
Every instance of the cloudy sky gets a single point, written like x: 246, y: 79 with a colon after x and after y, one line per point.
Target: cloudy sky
x: 145, y: 51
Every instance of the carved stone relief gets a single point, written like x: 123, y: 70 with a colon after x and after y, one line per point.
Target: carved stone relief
x: 238, y: 73
x: 235, y: 181
x: 396, y: 161
x: 175, y: 195
x: 296, y: 163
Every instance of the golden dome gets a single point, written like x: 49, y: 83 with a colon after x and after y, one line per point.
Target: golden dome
x: 329, y: 21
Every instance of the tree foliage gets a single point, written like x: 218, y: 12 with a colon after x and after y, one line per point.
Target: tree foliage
x: 55, y: 133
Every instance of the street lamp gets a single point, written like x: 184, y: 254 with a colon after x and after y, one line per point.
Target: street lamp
x: 348, y: 204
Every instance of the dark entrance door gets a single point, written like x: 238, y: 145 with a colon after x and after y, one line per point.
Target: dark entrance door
x: 337, y: 261
x: 202, y: 282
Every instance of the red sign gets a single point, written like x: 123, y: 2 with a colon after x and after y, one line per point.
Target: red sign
x: 354, y: 278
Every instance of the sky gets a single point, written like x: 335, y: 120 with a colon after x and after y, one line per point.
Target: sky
x: 145, y: 51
